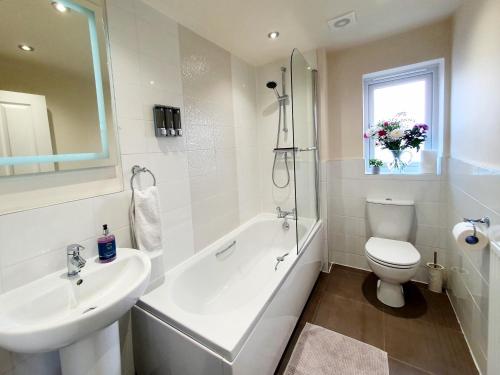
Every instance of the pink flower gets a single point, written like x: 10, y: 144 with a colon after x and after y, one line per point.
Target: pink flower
x: 386, y: 123
x: 382, y: 133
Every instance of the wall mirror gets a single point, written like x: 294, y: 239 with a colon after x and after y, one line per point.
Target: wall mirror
x: 55, y: 95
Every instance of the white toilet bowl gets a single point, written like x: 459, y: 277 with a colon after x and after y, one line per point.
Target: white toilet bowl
x: 394, y: 262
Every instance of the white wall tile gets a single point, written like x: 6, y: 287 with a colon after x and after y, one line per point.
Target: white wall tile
x: 112, y: 210
x: 178, y: 243
x: 32, y: 233
x: 128, y: 100
x: 174, y: 195
x: 125, y: 4
x: 132, y: 136
x: 123, y: 237
x: 200, y: 137
x: 158, y: 40
x: 170, y: 166
x: 35, y: 267
x: 201, y: 162
x: 125, y: 64
x: 122, y: 25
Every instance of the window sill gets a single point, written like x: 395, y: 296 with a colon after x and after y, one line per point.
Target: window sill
x: 411, y: 173
x: 414, y: 175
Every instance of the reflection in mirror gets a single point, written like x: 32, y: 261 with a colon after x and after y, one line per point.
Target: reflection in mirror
x: 55, y: 111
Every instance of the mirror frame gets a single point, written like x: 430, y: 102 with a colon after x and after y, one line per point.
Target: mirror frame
x: 101, y: 109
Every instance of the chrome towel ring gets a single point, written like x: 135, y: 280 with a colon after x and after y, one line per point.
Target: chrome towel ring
x: 136, y: 169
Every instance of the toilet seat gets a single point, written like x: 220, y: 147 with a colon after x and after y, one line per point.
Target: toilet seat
x: 392, y: 253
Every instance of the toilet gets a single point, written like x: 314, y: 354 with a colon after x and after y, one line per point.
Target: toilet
x: 393, y: 259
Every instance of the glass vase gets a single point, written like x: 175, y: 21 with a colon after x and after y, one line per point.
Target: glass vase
x: 400, y: 160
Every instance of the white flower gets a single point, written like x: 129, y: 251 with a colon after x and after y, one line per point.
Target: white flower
x: 396, y: 134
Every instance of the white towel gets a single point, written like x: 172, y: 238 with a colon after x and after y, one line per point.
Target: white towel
x: 147, y: 219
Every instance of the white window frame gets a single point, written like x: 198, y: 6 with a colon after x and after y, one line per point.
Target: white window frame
x: 433, y: 72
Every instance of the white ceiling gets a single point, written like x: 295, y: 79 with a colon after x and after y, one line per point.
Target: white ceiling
x: 241, y: 26
x: 58, y: 38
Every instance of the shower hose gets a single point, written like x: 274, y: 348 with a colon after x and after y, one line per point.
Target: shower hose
x: 273, y: 174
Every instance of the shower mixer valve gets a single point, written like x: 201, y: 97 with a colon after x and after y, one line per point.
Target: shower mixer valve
x: 285, y: 215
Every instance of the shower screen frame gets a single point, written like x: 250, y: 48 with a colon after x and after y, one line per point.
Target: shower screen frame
x: 305, y: 145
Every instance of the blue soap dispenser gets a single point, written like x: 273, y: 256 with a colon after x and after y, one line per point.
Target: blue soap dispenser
x: 106, y: 245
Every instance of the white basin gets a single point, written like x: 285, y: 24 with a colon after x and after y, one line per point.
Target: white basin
x: 56, y: 311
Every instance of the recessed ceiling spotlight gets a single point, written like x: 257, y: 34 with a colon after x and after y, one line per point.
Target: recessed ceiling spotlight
x: 273, y: 35
x: 26, y: 47
x: 342, y: 21
x: 60, y: 7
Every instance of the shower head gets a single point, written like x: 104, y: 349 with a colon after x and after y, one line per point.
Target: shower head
x: 271, y: 85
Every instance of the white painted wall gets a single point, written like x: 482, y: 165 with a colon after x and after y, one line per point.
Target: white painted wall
x: 475, y: 114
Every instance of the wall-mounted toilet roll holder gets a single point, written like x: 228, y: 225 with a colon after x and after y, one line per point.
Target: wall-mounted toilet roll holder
x: 472, y: 240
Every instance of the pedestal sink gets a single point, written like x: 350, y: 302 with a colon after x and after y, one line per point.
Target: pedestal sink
x: 77, y: 316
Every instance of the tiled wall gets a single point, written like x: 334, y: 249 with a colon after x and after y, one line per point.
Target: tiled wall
x: 206, y: 81
x: 472, y: 193
x: 33, y: 241
x: 348, y: 229
x: 145, y: 75
x: 246, y: 137
x: 267, y: 122
x: 267, y: 118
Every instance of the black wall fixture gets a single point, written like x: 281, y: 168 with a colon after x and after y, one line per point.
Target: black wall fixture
x: 167, y: 121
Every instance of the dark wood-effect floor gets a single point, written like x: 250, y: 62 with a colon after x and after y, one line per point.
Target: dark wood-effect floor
x: 423, y: 337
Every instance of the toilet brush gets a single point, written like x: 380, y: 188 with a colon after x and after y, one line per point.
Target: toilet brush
x: 435, y: 275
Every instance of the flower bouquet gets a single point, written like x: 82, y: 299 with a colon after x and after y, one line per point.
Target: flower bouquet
x: 398, y: 135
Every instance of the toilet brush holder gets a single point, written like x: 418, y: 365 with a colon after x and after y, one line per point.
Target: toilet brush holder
x: 436, y: 274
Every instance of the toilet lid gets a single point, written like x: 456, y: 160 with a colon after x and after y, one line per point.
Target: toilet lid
x: 399, y: 253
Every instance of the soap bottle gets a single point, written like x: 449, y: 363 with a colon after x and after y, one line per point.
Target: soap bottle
x: 106, y: 245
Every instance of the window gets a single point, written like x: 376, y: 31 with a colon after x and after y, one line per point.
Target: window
x: 413, y: 90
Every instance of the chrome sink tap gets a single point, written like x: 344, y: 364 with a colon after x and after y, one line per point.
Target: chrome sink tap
x: 74, y: 260
x: 285, y: 215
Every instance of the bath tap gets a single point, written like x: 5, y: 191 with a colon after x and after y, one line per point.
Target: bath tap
x: 74, y: 260
x: 285, y: 215
x: 279, y: 259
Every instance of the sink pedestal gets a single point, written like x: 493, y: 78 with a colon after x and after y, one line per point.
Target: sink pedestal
x: 97, y: 354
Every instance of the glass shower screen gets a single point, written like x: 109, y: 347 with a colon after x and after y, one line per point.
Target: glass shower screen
x: 303, y: 88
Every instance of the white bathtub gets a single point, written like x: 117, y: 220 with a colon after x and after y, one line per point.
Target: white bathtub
x: 232, y: 313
